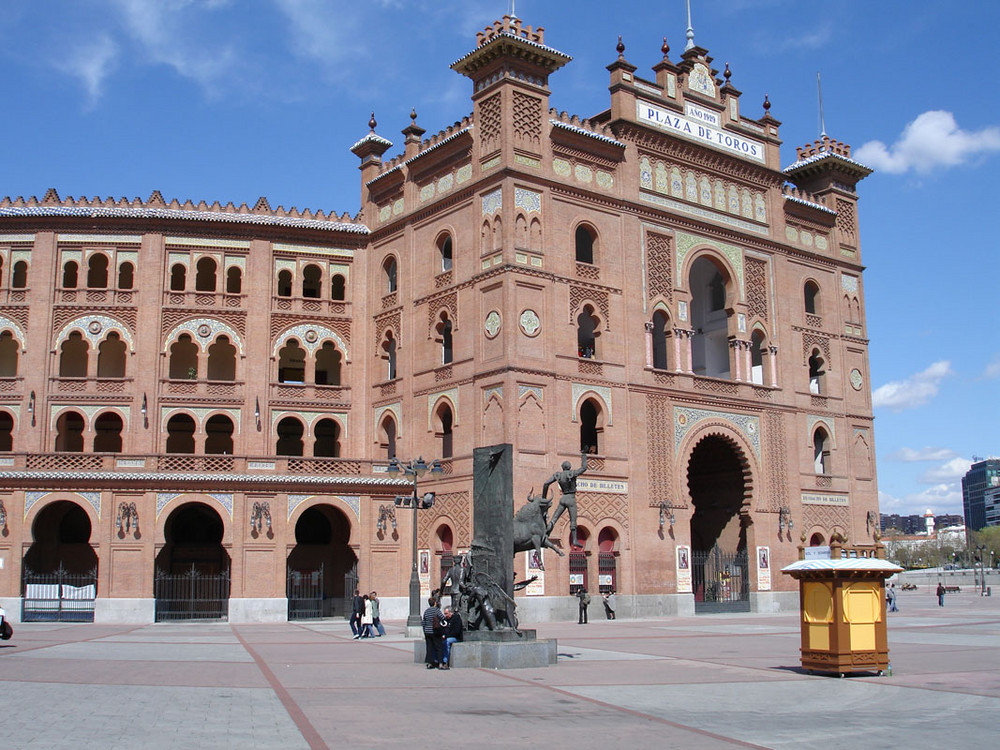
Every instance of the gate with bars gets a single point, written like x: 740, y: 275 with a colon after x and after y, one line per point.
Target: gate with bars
x: 305, y: 594
x: 58, y: 596
x: 350, y: 584
x: 191, y: 595
x: 721, y: 581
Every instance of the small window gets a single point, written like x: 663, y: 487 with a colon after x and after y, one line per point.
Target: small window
x: 312, y: 282
x: 816, y: 373
x: 584, y: 245
x: 338, y: 288
x: 586, y: 333
x: 20, y: 276
x: 126, y: 276
x: 97, y: 272
x: 389, y: 270
x: 811, y: 295
x: 821, y: 453
x: 70, y: 274
x: 660, y: 328
x: 590, y: 426
x: 285, y: 283
x: 204, y: 280
x: 234, y: 280
x: 178, y: 278
x: 290, y: 432
x: 445, y: 248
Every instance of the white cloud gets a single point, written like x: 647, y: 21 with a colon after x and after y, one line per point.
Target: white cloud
x: 947, y: 472
x: 992, y: 371
x: 927, y: 453
x: 92, y: 62
x: 915, y: 391
x: 939, y: 498
x: 932, y: 140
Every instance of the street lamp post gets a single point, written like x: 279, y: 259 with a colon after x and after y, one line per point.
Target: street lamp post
x: 981, y: 548
x: 414, y: 470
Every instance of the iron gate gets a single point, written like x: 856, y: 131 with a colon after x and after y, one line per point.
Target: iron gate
x: 58, y: 596
x: 191, y: 595
x: 350, y: 585
x: 305, y: 594
x: 721, y: 581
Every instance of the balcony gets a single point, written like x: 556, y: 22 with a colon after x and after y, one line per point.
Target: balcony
x: 220, y: 389
x: 204, y: 300
x: 96, y: 296
x: 309, y: 392
x: 91, y: 386
x: 189, y: 463
x: 311, y: 305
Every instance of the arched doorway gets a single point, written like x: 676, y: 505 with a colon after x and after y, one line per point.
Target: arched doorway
x: 322, y: 567
x: 192, y: 568
x: 716, y: 479
x: 60, y: 567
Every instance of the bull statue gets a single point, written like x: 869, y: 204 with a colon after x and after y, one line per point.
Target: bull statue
x: 531, y: 527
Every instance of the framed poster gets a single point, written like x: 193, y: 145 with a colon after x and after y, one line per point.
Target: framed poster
x: 683, y: 569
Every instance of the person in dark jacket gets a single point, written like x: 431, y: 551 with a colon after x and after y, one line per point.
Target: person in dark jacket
x: 357, y: 609
x: 584, y: 598
x: 452, y: 634
x: 434, y: 628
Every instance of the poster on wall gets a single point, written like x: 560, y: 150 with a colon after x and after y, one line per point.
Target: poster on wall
x: 683, y: 569
x: 536, y: 561
x: 424, y: 572
x: 763, y: 568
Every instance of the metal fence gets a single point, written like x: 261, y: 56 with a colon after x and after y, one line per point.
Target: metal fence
x: 721, y: 581
x: 191, y: 595
x: 58, y: 596
x: 305, y: 594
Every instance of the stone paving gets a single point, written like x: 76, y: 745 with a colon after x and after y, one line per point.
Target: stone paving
x: 719, y: 681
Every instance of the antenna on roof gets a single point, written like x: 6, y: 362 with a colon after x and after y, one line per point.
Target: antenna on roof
x: 690, y: 29
x: 513, y: 12
x: 822, y: 119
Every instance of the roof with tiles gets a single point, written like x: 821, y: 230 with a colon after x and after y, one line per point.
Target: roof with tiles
x: 156, y: 207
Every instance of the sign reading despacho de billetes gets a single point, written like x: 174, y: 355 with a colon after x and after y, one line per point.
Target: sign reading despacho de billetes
x: 700, y: 131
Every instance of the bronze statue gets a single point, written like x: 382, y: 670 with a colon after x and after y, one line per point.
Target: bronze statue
x: 567, y: 483
x: 531, y: 531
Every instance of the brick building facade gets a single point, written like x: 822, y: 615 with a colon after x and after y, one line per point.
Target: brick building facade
x: 206, y: 389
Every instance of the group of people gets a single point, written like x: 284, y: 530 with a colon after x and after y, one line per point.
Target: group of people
x: 608, y: 599
x: 365, y: 621
x: 442, y: 629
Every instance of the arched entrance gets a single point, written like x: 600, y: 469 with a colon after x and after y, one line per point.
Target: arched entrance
x: 717, y: 481
x: 322, y: 567
x: 59, y: 574
x: 192, y: 568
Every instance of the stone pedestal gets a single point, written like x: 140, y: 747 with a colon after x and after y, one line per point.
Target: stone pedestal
x: 501, y: 649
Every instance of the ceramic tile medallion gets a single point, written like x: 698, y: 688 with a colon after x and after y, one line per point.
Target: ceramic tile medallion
x: 493, y: 324
x: 530, y: 323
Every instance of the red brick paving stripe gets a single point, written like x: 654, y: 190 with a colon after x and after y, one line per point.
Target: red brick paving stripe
x: 298, y: 716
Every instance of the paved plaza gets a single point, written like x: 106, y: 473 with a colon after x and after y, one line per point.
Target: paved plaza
x: 695, y: 682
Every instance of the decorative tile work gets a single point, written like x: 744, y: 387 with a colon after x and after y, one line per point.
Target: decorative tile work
x: 91, y: 498
x: 527, y: 161
x: 16, y: 330
x: 95, y: 328
x: 427, y: 192
x: 206, y: 242
x: 685, y: 418
x: 579, y: 389
x: 812, y: 420
x: 464, y: 173
x: 432, y: 398
x: 583, y: 173
x: 530, y: 322
x: 777, y: 476
x: 496, y: 390
x: 354, y: 503
x: 454, y: 506
x: 849, y: 283
x: 294, y: 501
x: 527, y: 200
x: 203, y: 332
x: 537, y: 391
x: 490, y: 163
x: 163, y: 499
x: 446, y: 183
x: 90, y: 410
x: 493, y: 324
x: 397, y: 207
x: 682, y: 310
x: 687, y: 242
x: 225, y: 500
x: 562, y: 167
x: 493, y: 202
x: 661, y: 468
x: 605, y: 180
x: 757, y: 288
x: 284, y: 247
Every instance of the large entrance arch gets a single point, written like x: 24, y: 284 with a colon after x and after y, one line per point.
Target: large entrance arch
x: 192, y: 568
x: 717, y: 479
x: 59, y: 574
x: 322, y: 567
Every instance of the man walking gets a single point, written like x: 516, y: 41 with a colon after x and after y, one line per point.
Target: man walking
x: 584, y: 598
x: 357, y: 609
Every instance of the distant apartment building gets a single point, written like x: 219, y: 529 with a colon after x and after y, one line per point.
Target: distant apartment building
x: 982, y: 476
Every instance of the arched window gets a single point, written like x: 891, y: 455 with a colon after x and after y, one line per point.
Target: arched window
x: 338, y: 288
x: 757, y: 358
x: 327, y: 442
x: 817, y: 540
x: 387, y: 436
x: 10, y: 349
x: 285, y: 283
x: 821, y: 451
x: 590, y: 426
x: 108, y: 433
x: 389, y: 271
x: 312, y: 282
x: 290, y: 432
x: 710, y: 343
x: 6, y: 431
x: 328, y: 360
x: 184, y: 359
x: 70, y: 274
x: 69, y: 433
x: 607, y: 561
x: 234, y: 280
x: 178, y: 277
x: 180, y: 434
x: 292, y: 363
x: 445, y: 251
x: 97, y: 271
x: 19, y: 279
x: 126, y: 276
x: 811, y: 294
x: 389, y: 355
x: 584, y: 241
x: 444, y: 434
x: 444, y: 328
x: 817, y: 373
x: 586, y: 333
x: 204, y: 279
x: 661, y: 323
x: 219, y: 435
x: 222, y: 360
x: 111, y: 357
x: 73, y: 356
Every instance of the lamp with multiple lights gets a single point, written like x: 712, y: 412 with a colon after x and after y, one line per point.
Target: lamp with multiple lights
x: 260, y: 515
x: 785, y: 519
x: 127, y: 519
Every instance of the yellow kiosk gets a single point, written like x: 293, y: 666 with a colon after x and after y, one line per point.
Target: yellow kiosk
x: 842, y: 606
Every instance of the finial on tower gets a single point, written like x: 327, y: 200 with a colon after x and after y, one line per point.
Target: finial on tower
x: 665, y: 49
x: 413, y: 116
x: 727, y: 74
x: 822, y: 119
x: 767, y: 106
x: 621, y: 48
x: 690, y: 29
x: 372, y: 124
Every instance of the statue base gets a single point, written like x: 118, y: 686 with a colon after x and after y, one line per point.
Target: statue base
x: 497, y: 649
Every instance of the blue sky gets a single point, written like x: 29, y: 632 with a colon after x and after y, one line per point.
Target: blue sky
x: 230, y: 100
